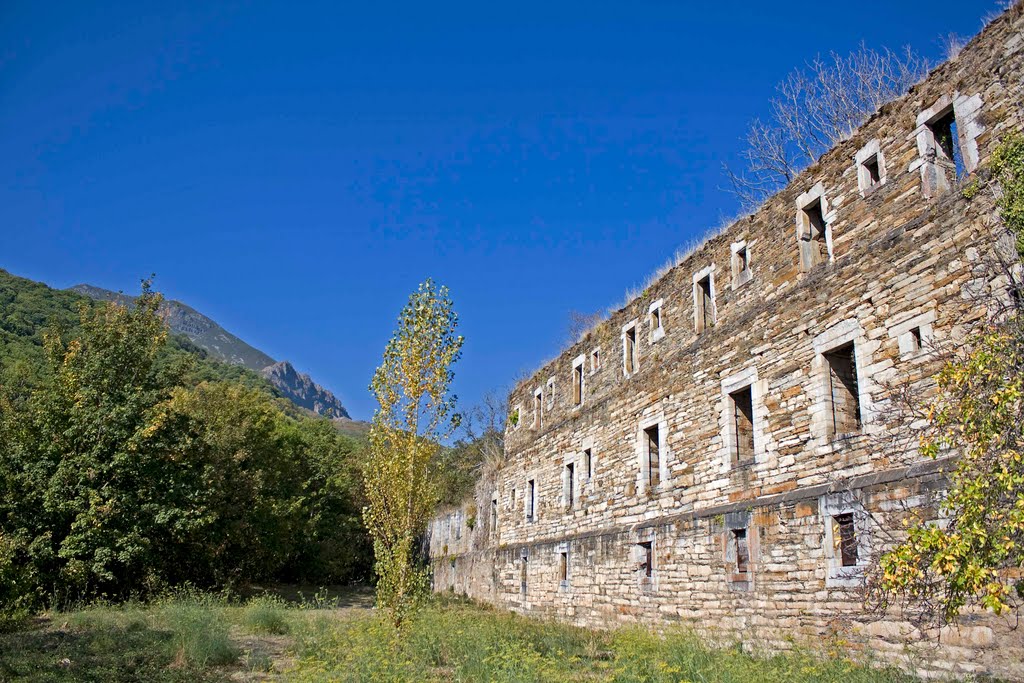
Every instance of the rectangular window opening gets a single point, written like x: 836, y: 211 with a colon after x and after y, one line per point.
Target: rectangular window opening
x: 647, y: 555
x: 743, y: 424
x: 494, y: 514
x: 655, y: 321
x: 705, y: 304
x: 588, y: 463
x: 816, y: 233
x: 595, y: 360
x: 570, y: 485
x: 739, y: 539
x: 577, y: 384
x: 844, y: 536
x: 531, y: 494
x: 563, y: 566
x: 844, y: 392
x: 742, y: 260
x: 873, y: 171
x: 522, y: 574
x: 947, y: 143
x: 653, y: 444
x: 916, y: 340
x: 629, y: 348
x: 537, y: 407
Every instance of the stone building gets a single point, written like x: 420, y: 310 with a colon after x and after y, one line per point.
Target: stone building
x: 721, y: 451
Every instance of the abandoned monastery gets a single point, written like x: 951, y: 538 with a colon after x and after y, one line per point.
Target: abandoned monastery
x: 723, y: 451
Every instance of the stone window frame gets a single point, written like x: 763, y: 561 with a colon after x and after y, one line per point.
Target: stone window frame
x: 579, y: 372
x: 873, y: 149
x: 570, y: 486
x: 829, y: 507
x: 707, y: 272
x: 656, y: 333
x: 538, y: 407
x: 740, y: 277
x: 646, y: 584
x: 913, y: 345
x: 803, y: 225
x: 664, y: 453
x: 837, y: 336
x: 748, y: 377
x: 563, y: 549
x: 551, y: 393
x: 631, y: 325
x: 595, y: 360
x: 967, y: 114
x: 732, y: 522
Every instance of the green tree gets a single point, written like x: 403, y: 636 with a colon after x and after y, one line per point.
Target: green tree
x: 416, y: 414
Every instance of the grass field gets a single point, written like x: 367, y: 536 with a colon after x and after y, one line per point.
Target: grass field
x: 206, y: 638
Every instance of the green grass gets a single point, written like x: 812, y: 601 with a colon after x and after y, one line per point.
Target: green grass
x: 192, y: 637
x: 459, y: 642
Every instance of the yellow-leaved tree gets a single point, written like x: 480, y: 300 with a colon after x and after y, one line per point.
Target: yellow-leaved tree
x: 416, y: 414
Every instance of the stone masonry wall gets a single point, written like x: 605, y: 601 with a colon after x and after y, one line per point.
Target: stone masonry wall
x: 895, y: 265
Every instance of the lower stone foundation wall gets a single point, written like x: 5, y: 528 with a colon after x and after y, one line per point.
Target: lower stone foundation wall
x: 795, y: 590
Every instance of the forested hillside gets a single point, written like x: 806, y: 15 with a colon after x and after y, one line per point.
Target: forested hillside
x: 130, y: 462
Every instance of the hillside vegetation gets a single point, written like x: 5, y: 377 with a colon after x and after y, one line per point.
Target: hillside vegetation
x: 129, y: 463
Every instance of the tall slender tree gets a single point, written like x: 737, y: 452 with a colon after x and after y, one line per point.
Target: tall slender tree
x: 416, y: 414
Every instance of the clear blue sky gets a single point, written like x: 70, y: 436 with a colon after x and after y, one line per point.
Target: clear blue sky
x: 294, y: 170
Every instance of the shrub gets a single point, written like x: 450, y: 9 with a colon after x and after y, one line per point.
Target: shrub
x: 199, y: 631
x: 266, y: 614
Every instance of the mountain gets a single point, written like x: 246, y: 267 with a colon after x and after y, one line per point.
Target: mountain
x: 301, y: 390
x: 207, y: 334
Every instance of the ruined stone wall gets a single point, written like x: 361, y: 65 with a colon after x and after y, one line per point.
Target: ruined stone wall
x: 895, y: 265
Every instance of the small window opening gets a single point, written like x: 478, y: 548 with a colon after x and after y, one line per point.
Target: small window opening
x: 844, y: 394
x: 537, y: 407
x: 873, y: 170
x: 577, y: 384
x: 647, y: 555
x: 653, y: 439
x: 570, y: 485
x: 742, y: 259
x: 705, y: 304
x: 655, y: 321
x: 739, y: 539
x: 629, y: 358
x: 595, y: 360
x: 743, y: 424
x: 916, y: 342
x: 588, y: 463
x: 844, y: 536
x: 816, y: 233
x: 494, y: 514
x: 512, y: 498
x: 531, y: 495
x: 947, y: 143
x: 522, y: 574
x: 563, y: 566
x: 551, y: 393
